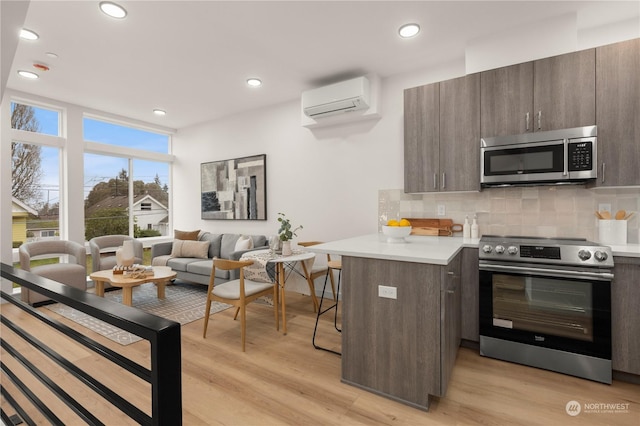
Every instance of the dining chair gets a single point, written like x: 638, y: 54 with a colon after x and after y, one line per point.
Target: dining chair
x: 239, y: 293
x: 318, y: 270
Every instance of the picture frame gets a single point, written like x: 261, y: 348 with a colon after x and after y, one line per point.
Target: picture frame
x: 234, y: 189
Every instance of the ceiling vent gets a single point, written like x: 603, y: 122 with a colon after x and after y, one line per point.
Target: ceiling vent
x: 339, y: 98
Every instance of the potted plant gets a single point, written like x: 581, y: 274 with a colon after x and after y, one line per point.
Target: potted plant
x: 285, y: 233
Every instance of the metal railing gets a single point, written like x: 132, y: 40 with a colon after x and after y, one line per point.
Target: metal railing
x: 163, y: 376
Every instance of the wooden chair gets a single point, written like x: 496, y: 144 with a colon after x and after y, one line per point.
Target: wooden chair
x: 315, y: 272
x: 238, y: 293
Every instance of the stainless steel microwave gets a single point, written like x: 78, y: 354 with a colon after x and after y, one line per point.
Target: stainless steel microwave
x: 540, y: 158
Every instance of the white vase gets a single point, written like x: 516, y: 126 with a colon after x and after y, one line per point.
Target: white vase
x: 125, y: 256
x: 286, y: 248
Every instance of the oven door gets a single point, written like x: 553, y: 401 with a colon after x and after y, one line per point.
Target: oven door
x: 531, y: 162
x: 567, y: 310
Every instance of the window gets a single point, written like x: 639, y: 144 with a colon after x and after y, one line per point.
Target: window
x: 145, y: 206
x: 35, y: 119
x: 95, y: 130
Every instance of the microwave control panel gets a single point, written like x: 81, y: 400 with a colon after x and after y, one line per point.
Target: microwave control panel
x: 580, y: 156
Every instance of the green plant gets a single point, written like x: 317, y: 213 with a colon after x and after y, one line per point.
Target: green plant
x: 285, y: 233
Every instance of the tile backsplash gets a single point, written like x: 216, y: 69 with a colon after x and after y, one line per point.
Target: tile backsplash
x: 544, y: 211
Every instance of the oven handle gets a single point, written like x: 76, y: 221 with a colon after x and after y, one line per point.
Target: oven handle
x: 600, y: 276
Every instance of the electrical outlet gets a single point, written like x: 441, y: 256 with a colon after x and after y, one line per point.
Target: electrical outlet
x: 387, y: 292
x: 441, y: 210
x: 604, y: 207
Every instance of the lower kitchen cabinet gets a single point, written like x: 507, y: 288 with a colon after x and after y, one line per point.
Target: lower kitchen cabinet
x: 625, y: 315
x: 402, y: 348
x: 470, y: 295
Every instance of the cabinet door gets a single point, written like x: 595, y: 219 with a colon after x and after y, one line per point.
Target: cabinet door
x: 460, y: 134
x: 564, y: 91
x: 421, y: 138
x: 507, y: 100
x: 392, y: 345
x: 449, y: 320
x: 470, y: 295
x: 618, y: 100
x: 625, y: 315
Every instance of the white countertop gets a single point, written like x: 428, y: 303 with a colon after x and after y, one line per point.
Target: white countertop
x: 420, y: 249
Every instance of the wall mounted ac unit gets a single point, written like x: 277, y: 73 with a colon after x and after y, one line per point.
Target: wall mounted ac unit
x: 339, y: 98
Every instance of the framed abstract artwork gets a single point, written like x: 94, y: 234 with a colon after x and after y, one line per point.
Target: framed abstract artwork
x: 234, y: 189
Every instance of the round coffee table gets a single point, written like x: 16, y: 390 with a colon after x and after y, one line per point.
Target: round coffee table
x: 161, y: 276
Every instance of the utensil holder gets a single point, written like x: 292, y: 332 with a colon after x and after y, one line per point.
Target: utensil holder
x: 612, y: 231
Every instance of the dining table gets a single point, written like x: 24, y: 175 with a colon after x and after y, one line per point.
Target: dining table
x: 269, y: 266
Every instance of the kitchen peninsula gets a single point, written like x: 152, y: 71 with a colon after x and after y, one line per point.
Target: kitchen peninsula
x: 400, y: 340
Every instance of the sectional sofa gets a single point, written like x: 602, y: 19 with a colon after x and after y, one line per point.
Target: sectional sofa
x: 192, y: 259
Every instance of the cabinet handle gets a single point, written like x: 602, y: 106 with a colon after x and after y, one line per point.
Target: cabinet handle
x: 602, y: 172
x: 527, y: 121
x: 450, y: 272
x: 450, y: 291
x: 435, y: 181
x: 539, y: 120
x: 443, y: 181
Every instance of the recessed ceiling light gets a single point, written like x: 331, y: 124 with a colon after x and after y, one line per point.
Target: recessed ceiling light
x: 254, y: 82
x: 112, y: 9
x: 159, y: 112
x: 51, y: 55
x: 28, y: 34
x: 409, y: 30
x: 28, y: 74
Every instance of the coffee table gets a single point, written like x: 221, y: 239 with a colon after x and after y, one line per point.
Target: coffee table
x: 161, y: 276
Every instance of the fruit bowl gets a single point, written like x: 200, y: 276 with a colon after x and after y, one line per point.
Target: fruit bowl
x: 396, y: 234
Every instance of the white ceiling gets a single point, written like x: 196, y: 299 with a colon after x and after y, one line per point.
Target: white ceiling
x: 191, y: 58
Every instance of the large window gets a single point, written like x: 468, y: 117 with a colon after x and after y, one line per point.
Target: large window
x: 126, y: 191
x: 35, y: 174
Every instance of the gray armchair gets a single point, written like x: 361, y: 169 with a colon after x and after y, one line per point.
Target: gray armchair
x: 73, y: 273
x: 103, y: 251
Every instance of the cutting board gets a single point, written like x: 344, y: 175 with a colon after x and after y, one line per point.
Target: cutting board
x: 434, y: 227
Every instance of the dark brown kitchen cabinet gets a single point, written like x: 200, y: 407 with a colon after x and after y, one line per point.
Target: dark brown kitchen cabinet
x: 441, y: 136
x: 470, y: 327
x: 625, y: 315
x: 618, y: 112
x: 421, y: 138
x: 547, y: 94
x: 402, y: 348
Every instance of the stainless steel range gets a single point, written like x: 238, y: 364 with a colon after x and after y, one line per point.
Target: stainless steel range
x: 547, y: 303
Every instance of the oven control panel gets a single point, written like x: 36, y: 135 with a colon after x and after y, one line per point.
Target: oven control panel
x: 570, y: 252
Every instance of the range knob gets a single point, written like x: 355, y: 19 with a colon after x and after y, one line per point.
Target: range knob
x: 512, y: 250
x: 600, y: 256
x: 499, y: 249
x: 487, y: 248
x: 584, y: 254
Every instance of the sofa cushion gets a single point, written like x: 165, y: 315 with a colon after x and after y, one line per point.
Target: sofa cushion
x: 186, y: 235
x: 181, y: 263
x: 214, y: 243
x: 245, y: 242
x: 228, y: 245
x: 204, y: 267
x: 188, y: 248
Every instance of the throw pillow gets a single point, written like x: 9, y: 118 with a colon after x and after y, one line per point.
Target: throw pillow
x: 186, y: 235
x: 245, y: 242
x: 188, y: 248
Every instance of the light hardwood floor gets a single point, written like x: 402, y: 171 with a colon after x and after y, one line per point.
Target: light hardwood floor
x: 283, y: 380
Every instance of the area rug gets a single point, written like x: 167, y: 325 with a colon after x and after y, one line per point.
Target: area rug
x: 183, y: 303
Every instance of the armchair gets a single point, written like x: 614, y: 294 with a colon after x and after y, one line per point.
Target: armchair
x: 72, y: 274
x: 103, y: 251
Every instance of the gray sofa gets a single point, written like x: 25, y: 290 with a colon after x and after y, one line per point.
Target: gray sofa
x: 198, y: 270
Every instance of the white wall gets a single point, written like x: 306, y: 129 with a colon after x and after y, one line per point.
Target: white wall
x: 326, y: 179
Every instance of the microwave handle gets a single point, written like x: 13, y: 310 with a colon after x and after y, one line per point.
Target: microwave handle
x: 566, y: 158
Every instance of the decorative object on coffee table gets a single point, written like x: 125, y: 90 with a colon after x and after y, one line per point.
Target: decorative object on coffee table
x: 125, y: 255
x: 285, y: 233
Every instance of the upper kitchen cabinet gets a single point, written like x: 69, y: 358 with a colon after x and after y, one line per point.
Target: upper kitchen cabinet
x: 421, y: 138
x: 442, y: 136
x: 460, y: 134
x: 617, y: 116
x: 547, y: 94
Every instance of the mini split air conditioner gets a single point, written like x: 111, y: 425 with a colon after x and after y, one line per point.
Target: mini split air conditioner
x: 346, y: 96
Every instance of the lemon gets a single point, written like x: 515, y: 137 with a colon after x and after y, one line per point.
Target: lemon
x: 405, y: 222
x: 393, y: 222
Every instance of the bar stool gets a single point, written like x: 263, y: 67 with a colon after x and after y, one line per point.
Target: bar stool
x: 332, y: 265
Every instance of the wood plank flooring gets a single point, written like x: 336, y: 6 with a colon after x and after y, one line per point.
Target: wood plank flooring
x: 283, y: 380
